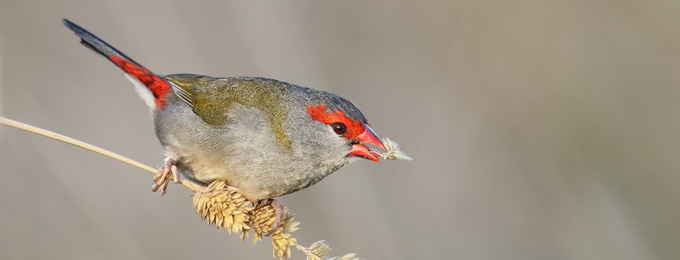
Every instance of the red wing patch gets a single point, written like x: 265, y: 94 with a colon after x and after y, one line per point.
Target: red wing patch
x: 354, y: 127
x: 156, y: 84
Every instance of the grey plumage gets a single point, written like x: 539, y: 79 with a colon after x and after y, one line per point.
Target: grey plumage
x: 244, y: 151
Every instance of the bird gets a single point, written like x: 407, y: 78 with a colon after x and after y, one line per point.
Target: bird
x: 264, y: 137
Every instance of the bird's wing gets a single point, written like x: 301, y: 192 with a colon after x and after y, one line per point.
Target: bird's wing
x: 211, y: 98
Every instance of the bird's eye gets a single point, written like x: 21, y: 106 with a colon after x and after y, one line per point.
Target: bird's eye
x: 339, y: 128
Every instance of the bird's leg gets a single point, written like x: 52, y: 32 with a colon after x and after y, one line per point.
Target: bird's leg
x: 279, y: 212
x: 167, y: 170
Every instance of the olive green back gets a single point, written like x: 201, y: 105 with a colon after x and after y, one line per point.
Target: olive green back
x: 211, y: 98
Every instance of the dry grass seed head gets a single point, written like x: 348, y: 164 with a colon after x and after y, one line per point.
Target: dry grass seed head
x: 222, y: 206
x: 282, y: 240
x: 263, y: 218
x: 393, y: 152
x: 320, y: 250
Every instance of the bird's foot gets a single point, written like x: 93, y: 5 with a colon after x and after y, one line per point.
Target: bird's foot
x: 280, y: 212
x: 167, y: 172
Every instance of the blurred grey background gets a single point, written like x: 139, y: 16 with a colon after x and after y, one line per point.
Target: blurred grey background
x: 540, y: 129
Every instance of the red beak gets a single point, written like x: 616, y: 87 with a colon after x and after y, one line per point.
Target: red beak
x: 369, y: 137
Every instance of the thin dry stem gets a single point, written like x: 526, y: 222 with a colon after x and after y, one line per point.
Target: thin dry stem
x: 71, y: 141
x: 86, y: 146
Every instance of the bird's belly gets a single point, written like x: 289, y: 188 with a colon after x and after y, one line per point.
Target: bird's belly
x: 252, y: 180
x: 258, y: 169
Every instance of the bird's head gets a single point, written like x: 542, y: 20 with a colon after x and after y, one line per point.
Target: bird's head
x: 347, y: 127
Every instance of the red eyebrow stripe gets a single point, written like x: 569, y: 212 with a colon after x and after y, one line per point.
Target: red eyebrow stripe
x: 319, y: 113
x: 156, y: 84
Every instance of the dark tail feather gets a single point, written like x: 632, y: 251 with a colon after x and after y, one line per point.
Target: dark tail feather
x: 94, y: 43
x: 159, y: 88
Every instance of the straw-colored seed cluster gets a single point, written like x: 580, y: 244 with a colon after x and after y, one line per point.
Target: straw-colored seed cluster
x: 393, y: 152
x: 222, y: 206
x: 282, y: 239
x: 320, y: 250
x: 263, y: 218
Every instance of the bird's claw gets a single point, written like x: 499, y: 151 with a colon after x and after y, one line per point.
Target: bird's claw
x: 280, y: 213
x: 167, y: 171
